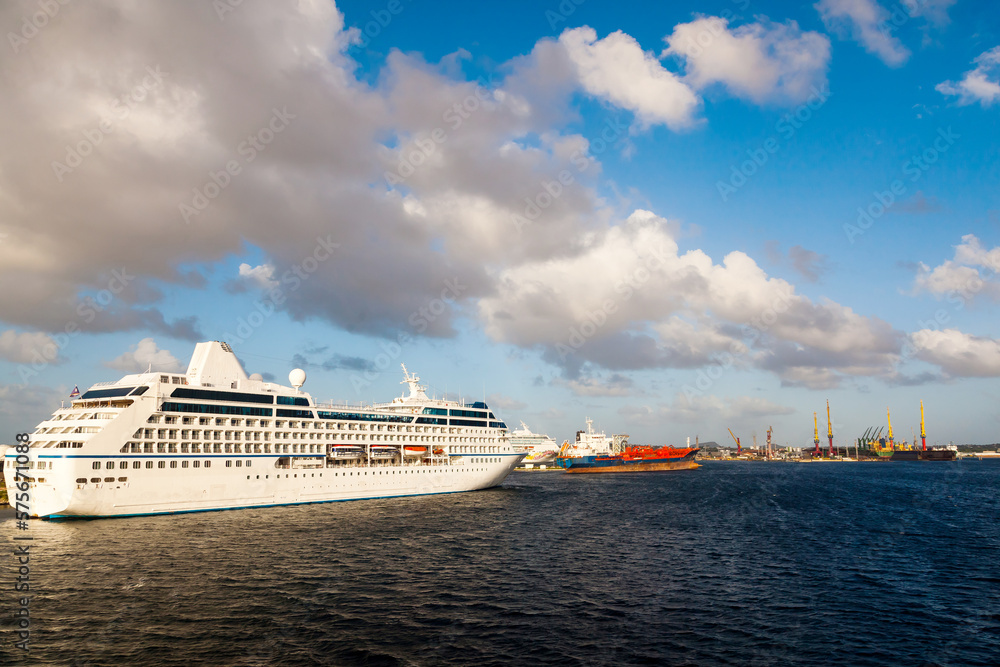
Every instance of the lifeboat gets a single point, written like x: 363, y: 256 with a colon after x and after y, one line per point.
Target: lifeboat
x: 438, y: 451
x: 346, y: 452
x: 412, y: 450
x: 382, y: 452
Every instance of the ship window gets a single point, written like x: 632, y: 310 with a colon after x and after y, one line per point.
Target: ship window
x: 208, y: 464
x: 95, y: 480
x: 123, y: 479
x: 239, y: 464
x: 109, y: 465
x: 96, y: 465
x: 136, y: 464
x: 161, y: 464
x: 109, y: 479
x: 184, y: 464
x: 81, y: 480
x: 248, y: 464
x: 173, y: 464
x: 229, y: 464
x: 196, y: 464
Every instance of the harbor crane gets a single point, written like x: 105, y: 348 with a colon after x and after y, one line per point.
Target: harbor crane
x: 739, y: 450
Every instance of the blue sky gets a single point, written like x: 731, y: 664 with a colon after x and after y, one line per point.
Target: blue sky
x: 644, y: 214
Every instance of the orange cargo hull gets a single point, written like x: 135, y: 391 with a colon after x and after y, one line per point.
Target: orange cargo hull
x: 637, y: 466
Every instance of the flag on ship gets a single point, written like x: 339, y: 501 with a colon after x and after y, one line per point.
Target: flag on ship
x: 75, y: 393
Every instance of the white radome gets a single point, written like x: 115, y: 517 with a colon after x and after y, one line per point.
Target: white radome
x: 297, y: 378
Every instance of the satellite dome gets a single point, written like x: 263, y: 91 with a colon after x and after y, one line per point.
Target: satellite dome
x: 297, y: 378
x: 257, y: 377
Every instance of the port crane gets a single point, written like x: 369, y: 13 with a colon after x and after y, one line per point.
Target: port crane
x: 739, y: 450
x: 816, y: 436
x: 829, y: 428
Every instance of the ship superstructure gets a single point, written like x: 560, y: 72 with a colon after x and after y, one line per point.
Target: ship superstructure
x: 214, y: 438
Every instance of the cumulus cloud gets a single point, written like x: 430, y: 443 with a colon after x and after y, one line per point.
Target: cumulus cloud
x: 760, y: 61
x: 616, y: 69
x: 981, y: 84
x: 627, y: 298
x: 958, y: 354
x: 866, y: 22
x: 972, y: 273
x: 146, y: 355
x: 27, y: 346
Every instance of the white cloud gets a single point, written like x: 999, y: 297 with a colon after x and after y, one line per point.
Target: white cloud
x: 145, y: 355
x: 760, y: 61
x: 981, y: 84
x: 974, y: 272
x: 27, y: 346
x: 935, y: 11
x: 617, y: 70
x: 261, y: 276
x: 958, y: 354
x: 615, y: 385
x: 866, y: 20
x: 625, y: 298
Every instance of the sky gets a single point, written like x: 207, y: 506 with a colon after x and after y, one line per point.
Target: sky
x: 672, y: 218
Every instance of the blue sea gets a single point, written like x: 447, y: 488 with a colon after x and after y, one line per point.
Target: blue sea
x: 731, y: 564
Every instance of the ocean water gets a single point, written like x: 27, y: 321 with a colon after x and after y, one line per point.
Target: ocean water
x: 730, y: 564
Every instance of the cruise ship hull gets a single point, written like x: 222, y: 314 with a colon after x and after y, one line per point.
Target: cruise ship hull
x: 233, y: 488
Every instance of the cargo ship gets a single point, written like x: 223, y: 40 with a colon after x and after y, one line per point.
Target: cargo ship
x: 618, y: 456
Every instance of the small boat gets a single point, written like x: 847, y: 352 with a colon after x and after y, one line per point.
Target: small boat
x: 383, y: 452
x: 413, y: 450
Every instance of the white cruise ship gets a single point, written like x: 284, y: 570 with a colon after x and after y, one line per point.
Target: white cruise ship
x: 213, y: 439
x: 541, y: 449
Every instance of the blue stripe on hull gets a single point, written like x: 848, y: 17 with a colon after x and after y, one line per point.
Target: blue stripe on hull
x: 62, y: 517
